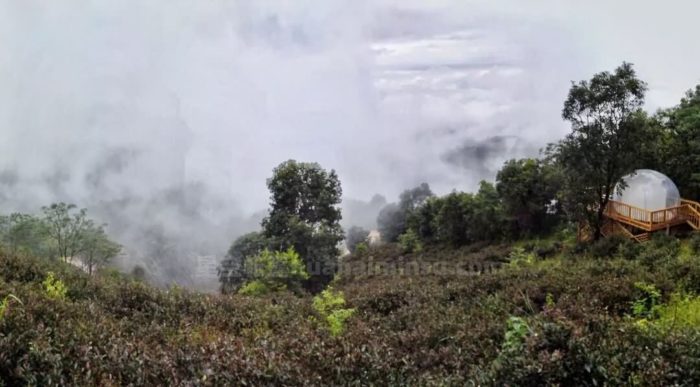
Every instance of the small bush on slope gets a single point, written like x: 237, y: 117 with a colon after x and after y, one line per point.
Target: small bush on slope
x: 330, y: 305
x: 54, y: 287
x: 274, y: 272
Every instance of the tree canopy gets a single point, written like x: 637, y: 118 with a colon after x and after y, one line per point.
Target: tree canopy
x: 607, y: 130
x: 527, y: 187
x: 304, y: 214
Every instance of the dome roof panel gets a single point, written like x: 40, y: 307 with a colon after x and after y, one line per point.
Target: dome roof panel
x: 649, y: 190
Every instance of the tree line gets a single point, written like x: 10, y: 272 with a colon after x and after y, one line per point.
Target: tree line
x: 572, y: 181
x: 60, y: 232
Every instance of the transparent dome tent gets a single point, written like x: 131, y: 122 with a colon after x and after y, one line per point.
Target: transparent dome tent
x: 647, y: 190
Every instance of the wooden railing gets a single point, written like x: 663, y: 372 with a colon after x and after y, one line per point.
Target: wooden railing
x: 653, y: 220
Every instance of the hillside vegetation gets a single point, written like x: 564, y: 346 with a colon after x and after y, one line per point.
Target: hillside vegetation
x: 550, y: 312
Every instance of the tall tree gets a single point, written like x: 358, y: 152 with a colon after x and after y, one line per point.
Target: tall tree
x: 394, y: 219
x: 25, y: 234
x: 97, y: 249
x: 604, y: 141
x: 66, y: 226
x: 305, y: 215
x: 486, y: 219
x: 680, y: 157
x: 527, y: 188
x: 411, y: 199
x: 451, y: 218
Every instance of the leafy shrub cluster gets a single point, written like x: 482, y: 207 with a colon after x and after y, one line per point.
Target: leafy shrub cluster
x: 55, y: 288
x: 5, y: 304
x: 330, y: 306
x: 409, y: 242
x: 276, y: 271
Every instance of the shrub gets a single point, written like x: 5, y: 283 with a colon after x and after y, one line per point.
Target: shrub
x: 255, y: 288
x: 686, y: 271
x: 606, y: 247
x: 695, y: 243
x: 403, y: 330
x: 5, y: 304
x: 330, y: 305
x: 54, y: 287
x: 518, y: 257
x: 354, y: 237
x: 516, y: 332
x: 682, y: 311
x: 646, y: 305
x: 661, y: 249
x: 361, y: 248
x: 274, y: 271
x: 409, y: 242
x: 629, y: 249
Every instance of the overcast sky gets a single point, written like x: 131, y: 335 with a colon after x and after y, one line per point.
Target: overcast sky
x: 130, y: 97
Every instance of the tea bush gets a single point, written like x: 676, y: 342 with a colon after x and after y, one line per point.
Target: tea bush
x: 5, y: 304
x: 695, y: 243
x: 607, y: 247
x: 660, y: 250
x: 573, y: 326
x: 54, y: 287
x: 516, y: 333
x: 330, y: 305
x: 647, y: 304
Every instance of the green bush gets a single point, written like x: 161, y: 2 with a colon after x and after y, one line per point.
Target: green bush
x: 5, y: 304
x: 516, y: 332
x: 695, y: 243
x: 682, y: 311
x: 274, y: 271
x: 255, y: 288
x: 361, y: 248
x: 330, y: 306
x: 647, y: 304
x: 629, y: 249
x: 55, y: 288
x: 660, y: 250
x: 409, y: 242
x: 607, y: 247
x: 518, y: 257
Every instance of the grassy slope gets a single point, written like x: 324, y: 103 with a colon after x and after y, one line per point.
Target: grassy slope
x: 407, y: 329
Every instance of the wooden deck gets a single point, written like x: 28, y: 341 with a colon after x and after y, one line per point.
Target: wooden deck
x: 638, y: 223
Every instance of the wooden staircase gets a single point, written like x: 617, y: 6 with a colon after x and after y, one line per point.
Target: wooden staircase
x: 612, y: 227
x: 692, y: 213
x: 638, y: 224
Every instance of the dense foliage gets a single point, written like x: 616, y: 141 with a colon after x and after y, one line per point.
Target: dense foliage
x: 568, y: 319
x: 678, y: 144
x: 274, y: 271
x: 528, y: 189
